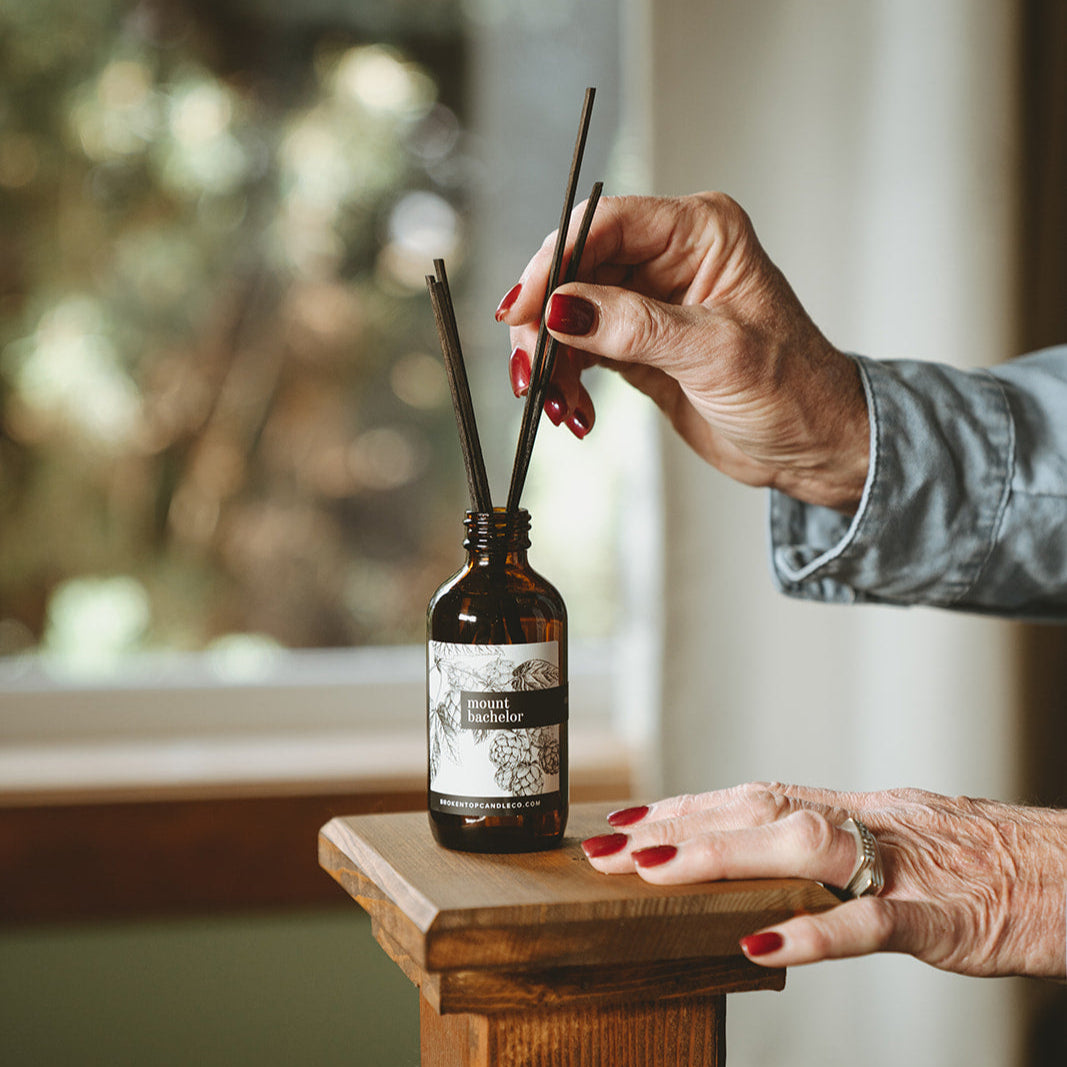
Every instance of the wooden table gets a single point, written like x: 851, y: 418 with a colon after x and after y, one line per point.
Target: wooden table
x: 538, y: 959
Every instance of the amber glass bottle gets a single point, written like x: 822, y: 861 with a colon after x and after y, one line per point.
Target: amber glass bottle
x: 496, y: 689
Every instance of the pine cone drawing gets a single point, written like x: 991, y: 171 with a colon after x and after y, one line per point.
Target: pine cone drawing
x: 518, y: 762
x: 511, y: 747
x: 548, y: 756
x: 520, y: 780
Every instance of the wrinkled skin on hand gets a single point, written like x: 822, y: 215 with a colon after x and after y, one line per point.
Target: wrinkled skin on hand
x: 687, y: 306
x: 678, y: 296
x: 971, y: 886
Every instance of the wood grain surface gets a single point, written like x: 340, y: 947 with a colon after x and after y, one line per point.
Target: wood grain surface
x: 681, y: 1033
x: 489, y: 992
x: 454, y: 911
x: 538, y: 960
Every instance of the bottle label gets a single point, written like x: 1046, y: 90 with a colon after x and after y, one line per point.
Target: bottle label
x: 494, y: 727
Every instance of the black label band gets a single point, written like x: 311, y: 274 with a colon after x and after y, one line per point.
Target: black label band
x: 524, y: 709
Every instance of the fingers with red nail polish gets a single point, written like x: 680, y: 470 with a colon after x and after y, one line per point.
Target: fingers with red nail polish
x: 582, y: 416
x: 565, y: 374
x: 579, y: 423
x: 628, y: 816
x: 649, y: 846
x: 576, y: 409
x: 569, y: 314
x: 578, y: 414
x: 565, y: 378
x: 519, y: 371
x: 654, y: 856
x: 555, y: 405
x: 609, y: 853
x: 508, y: 302
x: 762, y: 944
x: 604, y: 845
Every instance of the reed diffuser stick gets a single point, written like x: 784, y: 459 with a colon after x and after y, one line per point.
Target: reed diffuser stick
x: 448, y: 335
x: 484, y: 500
x: 541, y: 375
x: 529, y: 412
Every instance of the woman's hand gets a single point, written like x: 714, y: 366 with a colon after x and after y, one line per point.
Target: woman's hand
x: 678, y: 296
x: 972, y: 886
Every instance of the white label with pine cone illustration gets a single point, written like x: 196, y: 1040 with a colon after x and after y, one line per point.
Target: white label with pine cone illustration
x: 494, y: 727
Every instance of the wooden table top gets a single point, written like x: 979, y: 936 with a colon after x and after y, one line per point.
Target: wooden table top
x: 447, y: 910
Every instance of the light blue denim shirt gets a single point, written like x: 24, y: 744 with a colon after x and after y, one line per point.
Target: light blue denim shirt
x: 965, y: 504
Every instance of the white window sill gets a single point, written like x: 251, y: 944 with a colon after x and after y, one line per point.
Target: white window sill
x: 299, y: 723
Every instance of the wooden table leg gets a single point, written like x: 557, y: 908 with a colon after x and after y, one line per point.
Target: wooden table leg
x: 679, y: 1032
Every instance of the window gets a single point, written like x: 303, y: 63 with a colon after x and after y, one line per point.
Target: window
x: 223, y: 414
x: 226, y: 432
x: 223, y: 407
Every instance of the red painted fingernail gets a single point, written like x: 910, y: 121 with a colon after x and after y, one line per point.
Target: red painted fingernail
x: 604, y: 845
x: 570, y: 314
x: 628, y: 816
x: 505, y: 305
x: 555, y: 405
x: 654, y: 856
x: 762, y: 944
x: 519, y: 370
x: 579, y: 424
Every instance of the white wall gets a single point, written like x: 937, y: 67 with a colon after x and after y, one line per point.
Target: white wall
x: 873, y: 146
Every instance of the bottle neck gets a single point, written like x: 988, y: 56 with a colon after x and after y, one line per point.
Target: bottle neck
x: 497, y: 536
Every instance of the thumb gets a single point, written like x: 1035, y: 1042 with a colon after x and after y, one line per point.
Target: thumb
x: 853, y: 929
x: 627, y: 327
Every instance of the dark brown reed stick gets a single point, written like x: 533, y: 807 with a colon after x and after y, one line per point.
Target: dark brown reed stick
x: 448, y: 334
x: 530, y: 414
x: 482, y: 499
x: 544, y: 374
x: 541, y: 372
x: 442, y: 279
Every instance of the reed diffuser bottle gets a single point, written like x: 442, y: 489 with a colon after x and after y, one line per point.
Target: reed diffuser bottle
x: 497, y: 696
x: 496, y: 667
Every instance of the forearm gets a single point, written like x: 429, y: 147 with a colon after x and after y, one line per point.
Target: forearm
x: 965, y: 500
x: 1036, y: 904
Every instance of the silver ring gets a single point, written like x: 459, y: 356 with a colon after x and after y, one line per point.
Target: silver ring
x: 867, y: 878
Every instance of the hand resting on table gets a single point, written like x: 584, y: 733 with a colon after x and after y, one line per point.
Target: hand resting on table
x: 971, y: 886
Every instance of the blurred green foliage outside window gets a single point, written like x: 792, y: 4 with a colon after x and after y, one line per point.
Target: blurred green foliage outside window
x: 223, y: 410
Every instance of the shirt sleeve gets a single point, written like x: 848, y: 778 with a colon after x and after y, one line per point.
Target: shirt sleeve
x: 965, y: 504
